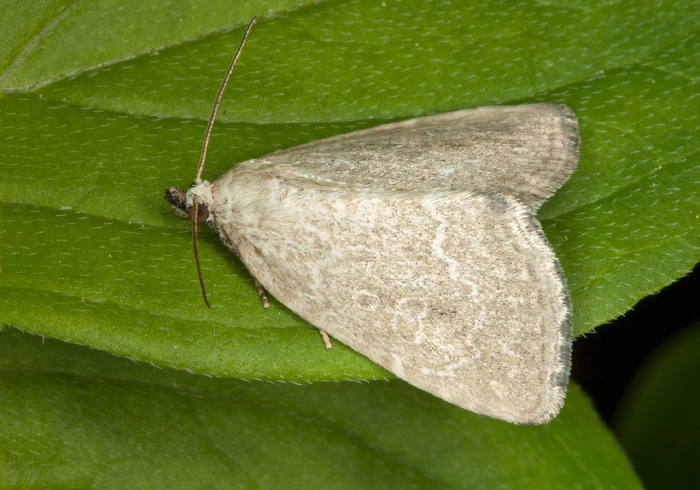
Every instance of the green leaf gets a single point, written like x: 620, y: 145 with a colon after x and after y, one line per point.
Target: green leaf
x: 74, y: 417
x: 104, y: 105
x: 92, y: 254
x: 658, y: 422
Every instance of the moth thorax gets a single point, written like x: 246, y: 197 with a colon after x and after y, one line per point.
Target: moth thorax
x: 202, y: 192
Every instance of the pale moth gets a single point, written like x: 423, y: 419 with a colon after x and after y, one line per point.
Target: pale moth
x: 416, y: 244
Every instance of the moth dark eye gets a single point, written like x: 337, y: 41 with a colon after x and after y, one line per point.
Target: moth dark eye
x: 202, y: 213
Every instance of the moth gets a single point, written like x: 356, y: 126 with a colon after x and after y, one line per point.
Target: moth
x: 416, y: 244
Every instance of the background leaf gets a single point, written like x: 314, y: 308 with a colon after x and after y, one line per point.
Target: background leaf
x: 104, y: 106
x: 87, y: 236
x: 660, y: 411
x: 76, y: 417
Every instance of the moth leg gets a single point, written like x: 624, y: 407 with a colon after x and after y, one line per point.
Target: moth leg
x: 326, y: 339
x: 262, y: 293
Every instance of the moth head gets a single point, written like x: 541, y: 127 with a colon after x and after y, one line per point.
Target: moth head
x: 178, y: 199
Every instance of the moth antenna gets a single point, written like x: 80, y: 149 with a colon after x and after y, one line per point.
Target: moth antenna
x: 217, y: 101
x: 195, y: 210
x: 205, y: 145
